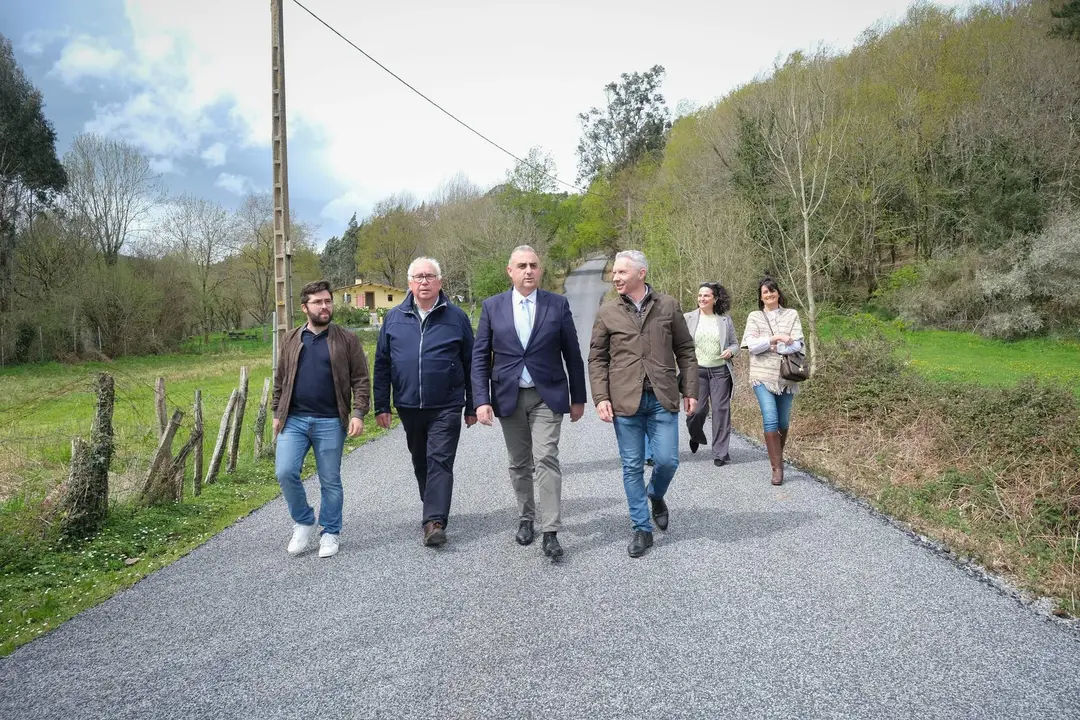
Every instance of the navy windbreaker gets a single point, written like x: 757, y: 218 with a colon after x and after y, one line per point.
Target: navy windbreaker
x: 428, y: 365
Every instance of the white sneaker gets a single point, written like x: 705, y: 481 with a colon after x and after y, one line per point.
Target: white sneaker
x: 301, y: 537
x: 328, y: 545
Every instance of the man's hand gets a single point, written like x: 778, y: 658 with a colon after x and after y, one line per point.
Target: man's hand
x: 726, y: 355
x: 485, y: 414
x: 470, y: 420
x: 576, y: 411
x: 356, y: 426
x: 383, y: 420
x: 603, y: 409
x: 277, y: 426
x: 690, y: 404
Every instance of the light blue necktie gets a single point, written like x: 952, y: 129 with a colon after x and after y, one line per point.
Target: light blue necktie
x: 524, y: 335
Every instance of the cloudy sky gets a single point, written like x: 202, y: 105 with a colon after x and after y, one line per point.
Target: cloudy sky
x: 188, y: 81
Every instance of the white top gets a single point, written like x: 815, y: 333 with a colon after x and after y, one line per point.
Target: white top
x: 524, y: 316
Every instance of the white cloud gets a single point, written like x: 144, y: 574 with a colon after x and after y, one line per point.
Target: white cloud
x: 214, y: 156
x: 88, y: 57
x: 236, y: 184
x: 163, y: 166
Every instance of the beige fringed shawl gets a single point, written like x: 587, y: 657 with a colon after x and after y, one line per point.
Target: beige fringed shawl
x: 765, y: 368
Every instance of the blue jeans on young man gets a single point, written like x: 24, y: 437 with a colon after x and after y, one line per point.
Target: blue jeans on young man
x: 326, y: 437
x: 661, y: 428
x: 775, y: 409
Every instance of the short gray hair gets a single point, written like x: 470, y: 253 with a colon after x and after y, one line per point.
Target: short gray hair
x: 417, y: 261
x: 635, y: 256
x: 522, y: 248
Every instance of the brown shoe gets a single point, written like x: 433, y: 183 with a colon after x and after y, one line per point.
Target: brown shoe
x: 434, y: 535
x: 774, y: 444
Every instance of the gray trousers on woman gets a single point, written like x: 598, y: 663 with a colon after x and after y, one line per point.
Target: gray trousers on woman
x: 714, y: 387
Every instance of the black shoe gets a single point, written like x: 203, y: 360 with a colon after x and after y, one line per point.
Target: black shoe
x: 720, y: 462
x: 659, y: 512
x: 525, y: 533
x: 642, y: 541
x: 649, y: 462
x: 694, y: 446
x: 552, y: 548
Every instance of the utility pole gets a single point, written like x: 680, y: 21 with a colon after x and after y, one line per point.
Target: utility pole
x: 282, y: 240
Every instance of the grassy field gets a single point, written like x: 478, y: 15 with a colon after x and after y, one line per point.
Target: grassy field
x: 947, y: 356
x: 43, y: 580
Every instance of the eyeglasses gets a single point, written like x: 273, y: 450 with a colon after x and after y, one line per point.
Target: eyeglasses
x: 424, y: 278
x: 318, y: 303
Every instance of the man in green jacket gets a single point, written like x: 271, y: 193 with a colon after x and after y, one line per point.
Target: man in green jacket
x: 641, y: 360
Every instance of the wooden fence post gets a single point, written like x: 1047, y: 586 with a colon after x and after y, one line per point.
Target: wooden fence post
x: 159, y: 405
x: 198, y: 462
x: 260, y: 419
x: 219, y: 446
x: 158, y: 484
x: 86, y: 500
x: 238, y: 421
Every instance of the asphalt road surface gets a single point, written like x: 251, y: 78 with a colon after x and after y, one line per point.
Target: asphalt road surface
x: 759, y: 602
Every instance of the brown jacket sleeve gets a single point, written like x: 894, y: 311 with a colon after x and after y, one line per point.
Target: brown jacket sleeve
x: 600, y: 359
x: 359, y: 378
x: 682, y: 344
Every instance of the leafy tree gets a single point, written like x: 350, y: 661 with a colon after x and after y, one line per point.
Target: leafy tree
x: 338, y: 259
x: 535, y: 174
x: 29, y: 169
x: 634, y: 123
x: 1069, y: 14
x: 388, y: 240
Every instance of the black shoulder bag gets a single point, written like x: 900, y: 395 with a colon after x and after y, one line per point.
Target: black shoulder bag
x: 794, y: 367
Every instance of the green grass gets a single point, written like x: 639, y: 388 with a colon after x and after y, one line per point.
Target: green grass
x: 44, y: 580
x: 946, y: 356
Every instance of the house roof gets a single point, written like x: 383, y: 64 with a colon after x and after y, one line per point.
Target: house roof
x: 369, y: 284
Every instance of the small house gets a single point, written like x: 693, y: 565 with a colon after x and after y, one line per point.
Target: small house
x: 372, y: 296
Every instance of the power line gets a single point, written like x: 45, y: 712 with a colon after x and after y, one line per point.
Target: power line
x: 449, y: 114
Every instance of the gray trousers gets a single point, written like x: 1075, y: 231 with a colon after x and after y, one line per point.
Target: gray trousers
x: 532, y: 444
x: 714, y: 388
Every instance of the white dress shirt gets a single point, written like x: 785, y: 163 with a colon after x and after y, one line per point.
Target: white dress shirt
x: 524, y: 317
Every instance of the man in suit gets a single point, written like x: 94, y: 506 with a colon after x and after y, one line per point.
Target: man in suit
x: 525, y: 336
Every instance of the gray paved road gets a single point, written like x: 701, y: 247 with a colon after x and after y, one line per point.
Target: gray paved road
x: 759, y: 603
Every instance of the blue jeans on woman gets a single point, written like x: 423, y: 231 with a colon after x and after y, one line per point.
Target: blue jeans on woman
x: 326, y: 437
x: 775, y: 409
x: 661, y: 428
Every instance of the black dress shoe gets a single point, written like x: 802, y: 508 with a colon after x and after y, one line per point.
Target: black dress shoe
x: 525, y: 533
x: 720, y: 462
x: 694, y: 446
x: 642, y: 541
x: 659, y: 513
x: 552, y: 548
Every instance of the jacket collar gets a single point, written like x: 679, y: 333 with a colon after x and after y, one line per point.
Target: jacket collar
x: 409, y: 303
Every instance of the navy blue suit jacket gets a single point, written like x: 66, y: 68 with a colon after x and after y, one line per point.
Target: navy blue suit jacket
x: 498, y: 356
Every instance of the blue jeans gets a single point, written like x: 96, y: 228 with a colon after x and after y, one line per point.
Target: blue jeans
x: 661, y: 428
x: 327, y: 437
x: 775, y: 409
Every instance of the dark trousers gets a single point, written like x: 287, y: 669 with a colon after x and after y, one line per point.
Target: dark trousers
x: 714, y: 388
x: 432, y: 437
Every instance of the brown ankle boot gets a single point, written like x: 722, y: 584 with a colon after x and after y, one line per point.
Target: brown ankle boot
x: 773, y: 443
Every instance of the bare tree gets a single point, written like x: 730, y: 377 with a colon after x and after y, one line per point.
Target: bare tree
x: 801, y: 130
x: 203, y: 233
x: 254, y: 220
x: 112, y: 186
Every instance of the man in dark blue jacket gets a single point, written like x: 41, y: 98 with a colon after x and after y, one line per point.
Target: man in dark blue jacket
x: 525, y: 336
x: 424, y: 354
